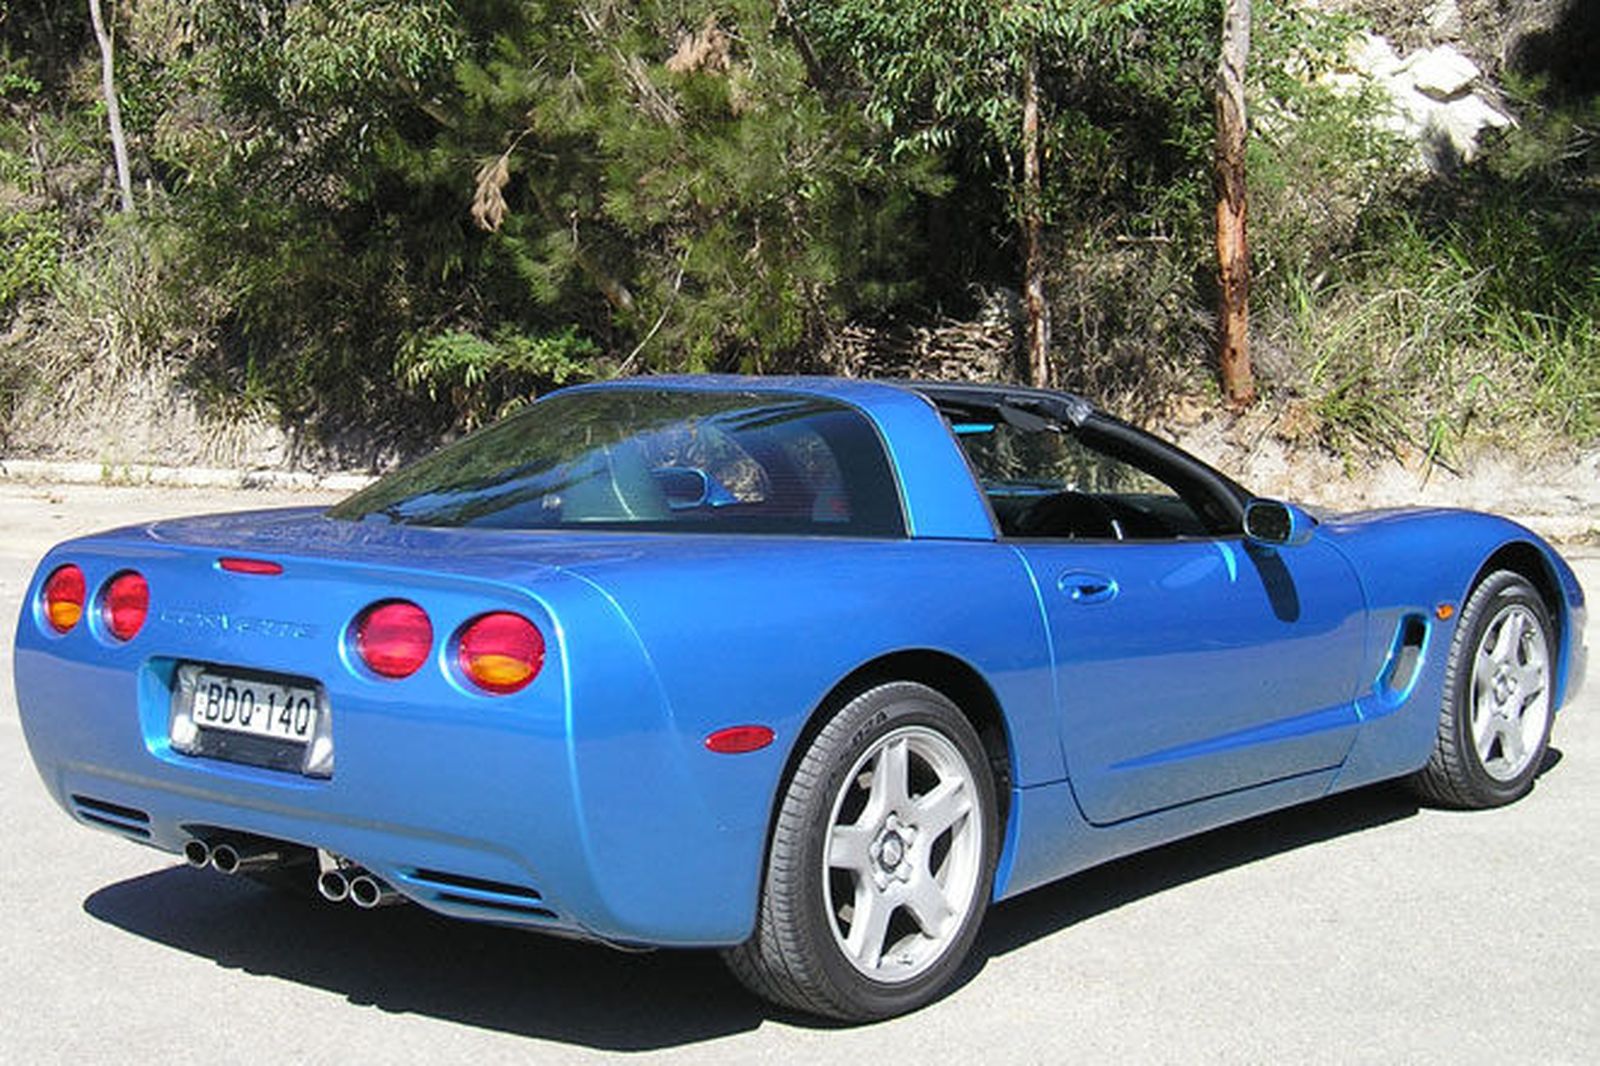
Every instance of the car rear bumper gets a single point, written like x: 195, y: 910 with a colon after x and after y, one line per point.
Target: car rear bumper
x: 603, y: 821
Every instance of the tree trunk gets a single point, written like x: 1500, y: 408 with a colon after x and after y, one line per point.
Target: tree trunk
x: 1033, y: 228
x: 1233, y: 249
x: 108, y: 83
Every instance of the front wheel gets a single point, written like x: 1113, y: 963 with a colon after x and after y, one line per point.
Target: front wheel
x: 1494, y: 725
x: 881, y: 863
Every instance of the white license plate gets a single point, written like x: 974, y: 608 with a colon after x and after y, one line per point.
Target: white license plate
x: 259, y: 708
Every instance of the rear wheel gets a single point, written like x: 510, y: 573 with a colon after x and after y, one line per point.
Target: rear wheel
x: 881, y: 862
x: 1494, y: 724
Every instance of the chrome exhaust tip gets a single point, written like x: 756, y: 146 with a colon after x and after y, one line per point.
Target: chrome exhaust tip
x: 368, y: 892
x: 225, y: 859
x: 334, y: 886
x: 231, y: 859
x: 197, y: 853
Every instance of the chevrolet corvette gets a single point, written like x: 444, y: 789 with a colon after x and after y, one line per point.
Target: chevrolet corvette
x: 807, y: 670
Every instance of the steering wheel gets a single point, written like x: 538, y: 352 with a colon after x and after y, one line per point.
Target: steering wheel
x: 1069, y: 514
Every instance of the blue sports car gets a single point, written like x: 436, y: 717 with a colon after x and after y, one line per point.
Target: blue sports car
x: 809, y: 670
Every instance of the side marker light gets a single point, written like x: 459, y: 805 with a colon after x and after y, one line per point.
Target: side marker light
x: 739, y: 739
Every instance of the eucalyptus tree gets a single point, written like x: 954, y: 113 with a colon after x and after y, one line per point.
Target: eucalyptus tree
x: 1233, y: 249
x: 970, y: 73
x: 104, y: 35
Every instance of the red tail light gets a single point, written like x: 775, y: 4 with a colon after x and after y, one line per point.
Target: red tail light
x: 64, y: 592
x: 394, y: 638
x: 125, y: 604
x: 501, y: 652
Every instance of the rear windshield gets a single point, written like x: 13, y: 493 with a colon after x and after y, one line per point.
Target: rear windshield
x: 654, y: 459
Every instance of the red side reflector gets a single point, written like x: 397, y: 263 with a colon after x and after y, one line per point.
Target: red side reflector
x: 250, y: 566
x: 738, y: 739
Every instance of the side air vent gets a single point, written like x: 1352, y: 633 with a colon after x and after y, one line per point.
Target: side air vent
x: 477, y: 892
x: 1405, y: 658
x: 128, y: 820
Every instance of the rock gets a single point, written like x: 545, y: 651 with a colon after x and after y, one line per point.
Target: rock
x: 1442, y: 73
x: 1444, y: 20
x: 1373, y: 55
x: 1459, y: 122
x: 1431, y: 99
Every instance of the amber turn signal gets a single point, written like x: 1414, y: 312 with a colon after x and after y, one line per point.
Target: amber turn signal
x: 501, y: 652
x: 64, y: 592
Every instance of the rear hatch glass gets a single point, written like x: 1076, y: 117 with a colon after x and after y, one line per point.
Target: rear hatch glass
x: 645, y: 459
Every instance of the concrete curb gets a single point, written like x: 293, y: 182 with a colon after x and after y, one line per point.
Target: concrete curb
x: 187, y: 477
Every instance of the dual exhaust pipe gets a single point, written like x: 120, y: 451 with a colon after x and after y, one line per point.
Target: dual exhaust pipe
x: 339, y: 880
x: 340, y: 883
x: 240, y: 856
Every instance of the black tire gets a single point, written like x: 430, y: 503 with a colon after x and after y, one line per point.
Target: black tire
x: 1458, y: 774
x: 797, y: 957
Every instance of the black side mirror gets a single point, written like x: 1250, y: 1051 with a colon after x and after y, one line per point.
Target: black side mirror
x: 1277, y: 524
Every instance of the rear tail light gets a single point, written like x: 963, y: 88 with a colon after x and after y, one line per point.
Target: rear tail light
x: 394, y: 638
x: 64, y: 592
x: 125, y: 604
x: 500, y: 652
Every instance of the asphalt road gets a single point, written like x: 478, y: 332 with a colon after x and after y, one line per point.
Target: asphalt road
x: 1359, y: 929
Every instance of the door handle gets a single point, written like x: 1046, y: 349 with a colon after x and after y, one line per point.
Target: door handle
x: 1085, y: 586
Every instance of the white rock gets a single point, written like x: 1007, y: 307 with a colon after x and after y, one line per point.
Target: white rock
x: 1444, y: 19
x: 1460, y: 121
x: 1373, y: 55
x: 1441, y: 72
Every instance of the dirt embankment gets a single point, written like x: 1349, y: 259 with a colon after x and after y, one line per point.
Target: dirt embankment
x: 1557, y: 496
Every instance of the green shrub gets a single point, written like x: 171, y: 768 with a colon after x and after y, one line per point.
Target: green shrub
x: 485, y: 379
x: 30, y: 253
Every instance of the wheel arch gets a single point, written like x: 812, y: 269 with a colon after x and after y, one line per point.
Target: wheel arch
x: 1524, y: 558
x: 952, y: 677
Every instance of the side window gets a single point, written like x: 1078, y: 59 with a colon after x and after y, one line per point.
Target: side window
x: 1050, y: 483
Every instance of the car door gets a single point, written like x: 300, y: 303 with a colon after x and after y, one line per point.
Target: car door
x: 1189, y: 661
x: 1191, y: 668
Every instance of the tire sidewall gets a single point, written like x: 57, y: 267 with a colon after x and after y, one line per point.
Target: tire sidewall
x: 1499, y: 591
x: 864, y: 721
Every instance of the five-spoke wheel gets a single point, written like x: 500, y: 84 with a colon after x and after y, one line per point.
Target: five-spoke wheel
x: 1494, y: 724
x: 881, y: 860
x: 904, y: 854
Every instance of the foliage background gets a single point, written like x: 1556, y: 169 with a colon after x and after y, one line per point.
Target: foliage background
x: 365, y: 225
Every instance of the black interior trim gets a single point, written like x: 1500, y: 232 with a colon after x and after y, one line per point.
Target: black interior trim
x: 1217, y: 499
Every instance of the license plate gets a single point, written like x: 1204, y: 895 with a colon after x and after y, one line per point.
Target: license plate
x: 260, y: 708
x: 275, y: 721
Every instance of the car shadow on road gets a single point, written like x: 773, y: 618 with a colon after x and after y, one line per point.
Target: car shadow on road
x: 407, y: 960
x: 1104, y: 888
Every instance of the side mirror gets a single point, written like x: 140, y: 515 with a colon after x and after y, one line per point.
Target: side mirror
x: 1277, y: 524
